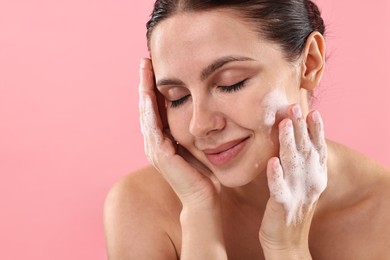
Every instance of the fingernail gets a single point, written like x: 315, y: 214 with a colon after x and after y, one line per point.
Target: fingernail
x: 315, y: 116
x: 296, y: 110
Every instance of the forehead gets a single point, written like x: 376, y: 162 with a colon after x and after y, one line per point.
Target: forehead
x: 195, y: 38
x: 192, y: 27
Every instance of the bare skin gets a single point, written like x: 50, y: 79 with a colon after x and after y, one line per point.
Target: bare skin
x: 350, y: 222
x: 193, y: 205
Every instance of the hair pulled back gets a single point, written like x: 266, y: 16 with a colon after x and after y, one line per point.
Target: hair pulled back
x: 287, y: 22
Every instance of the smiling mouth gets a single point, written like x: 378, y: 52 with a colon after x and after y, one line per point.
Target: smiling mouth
x: 225, y: 153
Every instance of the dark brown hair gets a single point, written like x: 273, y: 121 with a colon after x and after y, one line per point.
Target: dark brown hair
x: 287, y: 22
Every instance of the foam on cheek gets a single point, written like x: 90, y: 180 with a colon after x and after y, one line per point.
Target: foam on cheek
x: 273, y: 102
x: 302, y: 178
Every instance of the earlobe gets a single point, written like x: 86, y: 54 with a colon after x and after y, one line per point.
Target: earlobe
x: 313, y: 64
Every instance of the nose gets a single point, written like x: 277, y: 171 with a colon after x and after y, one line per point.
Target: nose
x: 206, y: 119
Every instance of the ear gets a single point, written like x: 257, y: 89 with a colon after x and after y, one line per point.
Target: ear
x: 313, y: 64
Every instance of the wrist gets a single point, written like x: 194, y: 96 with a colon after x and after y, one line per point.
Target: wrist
x: 205, y: 213
x: 202, y: 234
x: 201, y: 203
x: 287, y: 254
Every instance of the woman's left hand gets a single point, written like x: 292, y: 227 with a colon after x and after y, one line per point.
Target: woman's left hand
x: 296, y: 182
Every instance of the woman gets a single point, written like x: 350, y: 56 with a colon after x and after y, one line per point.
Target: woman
x: 241, y: 168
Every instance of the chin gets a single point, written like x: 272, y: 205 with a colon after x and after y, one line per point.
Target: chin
x: 240, y: 176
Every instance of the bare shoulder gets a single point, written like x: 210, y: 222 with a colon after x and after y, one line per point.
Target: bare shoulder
x: 352, y: 222
x: 141, y: 216
x: 372, y: 215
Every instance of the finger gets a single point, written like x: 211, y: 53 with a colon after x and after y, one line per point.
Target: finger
x: 146, y: 85
x: 316, y: 131
x: 288, y: 152
x: 150, y: 119
x: 153, y: 137
x: 193, y: 161
x: 315, y: 126
x: 276, y: 182
x: 301, y: 134
x: 189, y: 178
x: 144, y: 128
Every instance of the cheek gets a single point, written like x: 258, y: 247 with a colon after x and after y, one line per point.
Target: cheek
x: 179, y: 121
x: 273, y: 105
x: 262, y: 111
x: 266, y: 111
x: 274, y: 108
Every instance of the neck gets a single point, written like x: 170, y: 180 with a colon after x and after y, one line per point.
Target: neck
x: 252, y: 196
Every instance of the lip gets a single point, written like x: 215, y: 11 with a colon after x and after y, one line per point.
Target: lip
x: 226, y: 152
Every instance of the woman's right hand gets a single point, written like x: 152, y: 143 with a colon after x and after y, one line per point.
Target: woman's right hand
x: 194, y: 183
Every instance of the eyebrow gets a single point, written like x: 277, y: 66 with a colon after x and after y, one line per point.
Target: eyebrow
x: 220, y: 63
x: 206, y: 72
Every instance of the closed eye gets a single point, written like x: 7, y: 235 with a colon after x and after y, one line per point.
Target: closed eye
x: 234, y: 87
x: 178, y: 102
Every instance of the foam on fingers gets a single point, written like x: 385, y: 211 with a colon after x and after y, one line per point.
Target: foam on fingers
x: 151, y: 120
x: 305, y: 173
x: 276, y: 183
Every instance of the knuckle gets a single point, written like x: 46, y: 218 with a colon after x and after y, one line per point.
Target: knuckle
x: 302, y: 123
x: 304, y: 146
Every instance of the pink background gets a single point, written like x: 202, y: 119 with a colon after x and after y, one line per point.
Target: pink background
x: 69, y: 110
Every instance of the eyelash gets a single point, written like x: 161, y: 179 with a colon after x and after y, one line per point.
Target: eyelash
x: 234, y: 87
x: 231, y: 88
x: 178, y: 102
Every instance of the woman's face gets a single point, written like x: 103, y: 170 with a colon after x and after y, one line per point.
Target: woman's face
x: 226, y: 89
